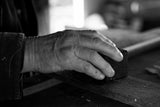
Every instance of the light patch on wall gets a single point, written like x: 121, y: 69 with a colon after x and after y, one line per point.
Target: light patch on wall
x: 78, y: 8
x: 65, y: 13
x: 95, y: 22
x: 135, y: 7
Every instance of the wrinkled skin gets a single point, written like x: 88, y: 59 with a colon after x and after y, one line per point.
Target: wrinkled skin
x: 71, y: 50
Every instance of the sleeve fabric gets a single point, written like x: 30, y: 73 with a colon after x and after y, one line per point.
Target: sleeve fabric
x: 15, y: 16
x: 11, y: 63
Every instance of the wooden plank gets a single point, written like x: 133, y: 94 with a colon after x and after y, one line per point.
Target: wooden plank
x: 130, y: 90
x: 41, y: 86
x: 143, y: 46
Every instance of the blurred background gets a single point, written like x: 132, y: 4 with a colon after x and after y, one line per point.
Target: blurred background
x: 125, y: 22
x: 136, y: 15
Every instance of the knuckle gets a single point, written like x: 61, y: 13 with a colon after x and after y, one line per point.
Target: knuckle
x: 71, y: 33
x: 92, y: 54
x: 68, y: 31
x: 72, y: 37
x: 107, y: 65
x: 96, y: 40
x: 76, y: 50
x: 86, y: 67
x: 112, y: 48
x: 93, y: 31
x: 90, y: 31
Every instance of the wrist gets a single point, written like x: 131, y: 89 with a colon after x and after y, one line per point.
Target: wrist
x: 30, y: 57
x: 39, y: 54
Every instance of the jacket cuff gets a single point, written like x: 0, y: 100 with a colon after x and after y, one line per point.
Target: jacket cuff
x: 11, y: 63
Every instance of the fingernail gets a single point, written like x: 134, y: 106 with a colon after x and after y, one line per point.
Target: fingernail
x: 114, y: 44
x: 120, y: 54
x: 111, y: 72
x: 101, y: 76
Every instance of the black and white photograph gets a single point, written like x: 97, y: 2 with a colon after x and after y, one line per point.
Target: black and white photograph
x: 79, y: 53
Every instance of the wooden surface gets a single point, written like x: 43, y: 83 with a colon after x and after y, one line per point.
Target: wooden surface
x: 143, y: 46
x: 139, y: 89
x: 130, y: 90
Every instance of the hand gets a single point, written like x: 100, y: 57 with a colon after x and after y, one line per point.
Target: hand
x: 71, y: 50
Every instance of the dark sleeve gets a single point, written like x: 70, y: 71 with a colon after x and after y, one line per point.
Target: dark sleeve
x: 11, y: 63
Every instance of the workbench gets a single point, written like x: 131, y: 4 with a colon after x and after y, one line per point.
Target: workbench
x: 139, y: 88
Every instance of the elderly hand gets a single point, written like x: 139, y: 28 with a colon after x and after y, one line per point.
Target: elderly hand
x: 71, y: 50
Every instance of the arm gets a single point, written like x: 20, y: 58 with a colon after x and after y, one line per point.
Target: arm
x: 66, y: 50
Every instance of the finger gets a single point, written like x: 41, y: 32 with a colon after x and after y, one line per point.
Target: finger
x: 102, y: 47
x: 94, y: 58
x: 104, y: 38
x: 94, y: 33
x: 88, y: 69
